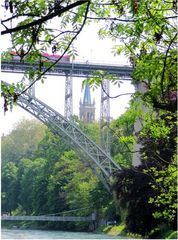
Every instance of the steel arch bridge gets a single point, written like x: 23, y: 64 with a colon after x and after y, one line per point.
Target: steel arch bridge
x: 91, y: 154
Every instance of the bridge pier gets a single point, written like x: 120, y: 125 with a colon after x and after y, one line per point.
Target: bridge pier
x: 68, y: 107
x: 105, y: 116
x: 136, y: 158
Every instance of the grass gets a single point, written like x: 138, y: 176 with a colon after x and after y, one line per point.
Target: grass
x: 161, y: 232
x: 120, y: 230
x: 115, y: 230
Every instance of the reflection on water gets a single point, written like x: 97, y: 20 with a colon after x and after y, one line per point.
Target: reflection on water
x: 40, y: 234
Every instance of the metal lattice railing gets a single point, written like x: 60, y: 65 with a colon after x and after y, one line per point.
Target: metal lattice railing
x: 92, y: 154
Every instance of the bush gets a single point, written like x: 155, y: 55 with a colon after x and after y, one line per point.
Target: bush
x: 133, y: 192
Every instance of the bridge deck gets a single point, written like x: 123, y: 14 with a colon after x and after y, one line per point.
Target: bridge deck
x: 63, y: 68
x: 49, y: 218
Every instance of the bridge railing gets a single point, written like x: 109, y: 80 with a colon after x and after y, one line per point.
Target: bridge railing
x: 99, y: 62
x: 78, y: 69
x: 49, y: 218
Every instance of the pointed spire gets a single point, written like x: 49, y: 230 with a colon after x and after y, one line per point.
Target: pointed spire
x: 87, y: 95
x: 87, y: 108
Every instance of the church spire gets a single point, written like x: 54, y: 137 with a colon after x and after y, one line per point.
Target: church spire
x: 87, y: 108
x: 87, y: 95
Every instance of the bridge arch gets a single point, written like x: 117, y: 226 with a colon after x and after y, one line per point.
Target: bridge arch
x: 96, y: 158
x: 92, y: 154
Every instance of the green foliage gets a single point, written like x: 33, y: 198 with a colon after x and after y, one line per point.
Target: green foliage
x: 148, y: 37
x: 147, y: 33
x: 22, y: 141
x: 158, y: 127
x: 133, y: 192
x: 149, y: 192
x: 166, y: 185
x: 98, y: 76
x: 162, y: 154
x: 33, y: 33
x: 122, y: 138
x: 9, y: 187
x: 51, y: 147
x: 162, y: 232
x: 91, y: 129
x: 173, y: 235
x: 53, y: 181
x: 32, y: 180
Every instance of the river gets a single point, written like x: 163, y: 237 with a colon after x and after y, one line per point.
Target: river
x: 43, y: 234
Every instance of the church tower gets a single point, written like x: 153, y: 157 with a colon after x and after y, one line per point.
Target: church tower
x: 87, y: 107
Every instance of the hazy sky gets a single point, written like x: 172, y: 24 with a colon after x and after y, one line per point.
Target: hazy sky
x: 90, y: 48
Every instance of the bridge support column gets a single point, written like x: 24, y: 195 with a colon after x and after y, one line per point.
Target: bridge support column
x: 136, y: 158
x: 105, y: 116
x: 93, y: 224
x: 68, y: 108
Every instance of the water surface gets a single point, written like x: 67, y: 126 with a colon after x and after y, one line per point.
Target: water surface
x: 43, y: 234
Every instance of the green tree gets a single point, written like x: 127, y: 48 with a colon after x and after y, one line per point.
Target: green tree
x: 160, y: 136
x: 166, y: 199
x: 33, y: 186
x: 61, y: 174
x: 148, y: 192
x: 147, y: 33
x: 51, y: 147
x: 9, y: 187
x: 122, y: 135
x: 22, y: 141
x: 92, y: 130
x: 75, y: 190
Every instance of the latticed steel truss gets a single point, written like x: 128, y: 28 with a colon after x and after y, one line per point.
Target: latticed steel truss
x: 92, y: 155
x: 105, y: 116
x: 68, y: 107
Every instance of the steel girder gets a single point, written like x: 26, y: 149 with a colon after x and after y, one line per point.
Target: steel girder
x: 105, y: 116
x: 78, y: 69
x: 68, y: 107
x: 92, y: 154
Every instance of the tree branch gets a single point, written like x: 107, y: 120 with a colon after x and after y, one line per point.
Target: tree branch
x: 119, y: 95
x: 58, y: 35
x: 126, y: 145
x: 45, y: 18
x: 112, y: 19
x: 53, y: 64
x: 165, y: 60
x: 17, y: 16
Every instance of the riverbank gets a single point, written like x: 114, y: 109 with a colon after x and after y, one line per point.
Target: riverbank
x: 157, y: 233
x: 110, y: 231
x: 119, y: 230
